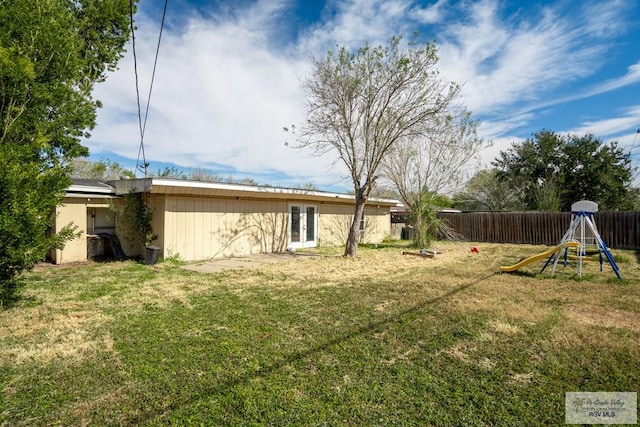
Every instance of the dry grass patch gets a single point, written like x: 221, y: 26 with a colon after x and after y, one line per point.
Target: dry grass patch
x: 521, y: 378
x: 486, y: 363
x: 42, y: 334
x: 503, y: 327
x: 334, y: 270
x: 67, y: 324
x: 603, y: 317
x: 323, y: 339
x: 462, y: 351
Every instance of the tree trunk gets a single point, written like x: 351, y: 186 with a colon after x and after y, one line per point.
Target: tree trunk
x: 354, y: 232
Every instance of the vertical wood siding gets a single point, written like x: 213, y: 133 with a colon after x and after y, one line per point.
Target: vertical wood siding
x: 196, y: 228
x: 334, y: 222
x: 618, y: 229
x: 200, y: 228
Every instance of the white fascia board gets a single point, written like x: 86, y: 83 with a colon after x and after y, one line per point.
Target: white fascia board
x: 246, y: 188
x: 262, y: 190
x: 147, y: 184
x: 82, y: 195
x: 89, y: 189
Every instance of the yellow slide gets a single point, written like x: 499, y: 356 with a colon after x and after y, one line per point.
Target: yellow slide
x: 546, y: 254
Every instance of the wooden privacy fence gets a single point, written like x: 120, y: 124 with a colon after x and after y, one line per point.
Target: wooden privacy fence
x: 618, y: 229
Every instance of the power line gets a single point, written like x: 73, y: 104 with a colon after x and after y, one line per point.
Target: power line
x: 135, y: 71
x: 155, y: 62
x: 143, y: 167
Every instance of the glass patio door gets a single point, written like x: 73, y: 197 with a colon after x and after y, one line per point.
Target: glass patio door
x: 303, y: 225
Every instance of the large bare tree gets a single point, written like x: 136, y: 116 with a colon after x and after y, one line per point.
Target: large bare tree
x: 431, y: 163
x: 362, y: 104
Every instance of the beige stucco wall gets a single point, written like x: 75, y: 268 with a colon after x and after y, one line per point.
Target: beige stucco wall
x: 73, y: 211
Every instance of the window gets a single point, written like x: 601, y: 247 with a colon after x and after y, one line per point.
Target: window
x: 295, y: 223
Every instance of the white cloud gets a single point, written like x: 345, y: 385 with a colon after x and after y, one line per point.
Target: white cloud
x: 496, y: 128
x: 606, y: 18
x: 220, y: 95
x: 490, y: 153
x: 631, y: 77
x: 355, y: 23
x: 502, y: 63
x: 431, y: 14
x: 624, y: 125
x: 226, y: 85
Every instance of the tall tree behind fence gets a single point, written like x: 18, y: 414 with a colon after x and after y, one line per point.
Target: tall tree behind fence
x: 619, y: 230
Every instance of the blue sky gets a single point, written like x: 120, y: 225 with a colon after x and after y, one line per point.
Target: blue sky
x: 228, y: 76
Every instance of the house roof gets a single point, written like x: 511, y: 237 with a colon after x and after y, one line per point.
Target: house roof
x: 214, y: 189
x: 90, y: 188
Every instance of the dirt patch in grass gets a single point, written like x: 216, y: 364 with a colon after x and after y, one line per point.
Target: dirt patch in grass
x: 521, y: 378
x: 603, y: 317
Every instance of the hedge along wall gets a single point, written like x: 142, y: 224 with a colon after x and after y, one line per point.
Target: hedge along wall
x: 618, y: 229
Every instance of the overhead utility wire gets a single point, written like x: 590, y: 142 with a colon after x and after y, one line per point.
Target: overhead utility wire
x: 135, y: 71
x: 155, y: 62
x: 142, y: 167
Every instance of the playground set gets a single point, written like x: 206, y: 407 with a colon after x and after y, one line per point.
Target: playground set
x: 581, y: 239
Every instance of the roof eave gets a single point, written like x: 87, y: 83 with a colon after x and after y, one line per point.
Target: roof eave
x: 215, y: 189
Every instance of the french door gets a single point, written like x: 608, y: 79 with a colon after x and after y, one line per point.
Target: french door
x: 303, y: 226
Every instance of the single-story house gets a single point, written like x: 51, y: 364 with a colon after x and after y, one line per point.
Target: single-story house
x: 196, y: 220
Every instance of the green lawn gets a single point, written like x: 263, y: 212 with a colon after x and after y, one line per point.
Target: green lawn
x: 385, y: 339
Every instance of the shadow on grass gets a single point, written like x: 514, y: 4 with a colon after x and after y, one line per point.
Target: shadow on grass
x: 11, y: 294
x: 395, y: 244
x: 10, y: 298
x: 224, y: 386
x: 520, y: 273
